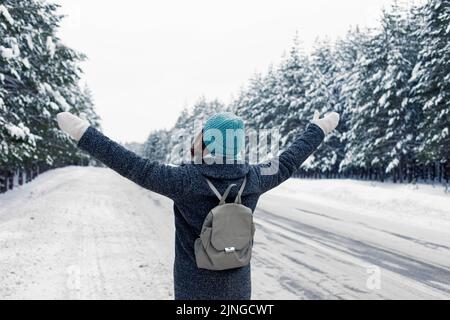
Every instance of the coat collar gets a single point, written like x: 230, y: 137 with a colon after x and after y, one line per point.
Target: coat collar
x: 234, y: 170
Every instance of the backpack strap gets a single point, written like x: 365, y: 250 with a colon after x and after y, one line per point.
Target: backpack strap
x: 223, y: 197
x: 241, y: 190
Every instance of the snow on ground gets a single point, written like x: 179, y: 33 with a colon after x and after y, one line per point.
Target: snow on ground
x: 85, y: 233
x: 88, y: 233
x: 422, y: 205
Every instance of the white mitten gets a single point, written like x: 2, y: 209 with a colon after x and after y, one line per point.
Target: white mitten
x: 328, y: 123
x: 72, y: 125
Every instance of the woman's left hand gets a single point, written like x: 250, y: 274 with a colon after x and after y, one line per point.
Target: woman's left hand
x: 328, y: 123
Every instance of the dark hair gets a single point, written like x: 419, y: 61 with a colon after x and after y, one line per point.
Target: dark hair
x: 193, y: 146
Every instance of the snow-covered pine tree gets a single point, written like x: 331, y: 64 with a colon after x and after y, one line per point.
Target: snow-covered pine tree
x: 203, y: 109
x: 348, y: 52
x: 257, y: 105
x: 291, y: 94
x: 17, y: 142
x: 381, y: 129
x: 399, y: 131
x: 156, y: 147
x: 322, y: 94
x: 38, y: 78
x: 431, y: 85
x: 248, y: 104
x: 359, y: 91
x: 267, y: 110
x: 184, y: 128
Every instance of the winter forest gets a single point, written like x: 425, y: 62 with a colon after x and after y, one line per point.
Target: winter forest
x: 391, y: 85
x: 39, y: 77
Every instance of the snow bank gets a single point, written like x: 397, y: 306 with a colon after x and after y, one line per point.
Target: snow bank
x: 420, y: 205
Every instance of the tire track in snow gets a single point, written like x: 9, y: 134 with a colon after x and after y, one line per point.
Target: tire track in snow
x: 406, y: 271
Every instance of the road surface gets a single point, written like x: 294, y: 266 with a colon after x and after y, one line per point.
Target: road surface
x: 87, y: 233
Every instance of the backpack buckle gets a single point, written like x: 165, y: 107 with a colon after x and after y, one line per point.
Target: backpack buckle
x: 229, y: 249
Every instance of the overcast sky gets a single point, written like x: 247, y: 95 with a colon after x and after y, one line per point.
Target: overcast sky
x: 149, y: 59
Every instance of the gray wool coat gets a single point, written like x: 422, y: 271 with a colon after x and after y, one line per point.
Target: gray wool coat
x: 193, y: 199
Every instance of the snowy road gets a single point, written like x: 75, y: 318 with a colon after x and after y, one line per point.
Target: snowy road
x: 88, y: 233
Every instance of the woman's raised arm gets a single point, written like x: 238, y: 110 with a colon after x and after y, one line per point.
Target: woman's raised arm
x: 281, y: 168
x: 168, y: 180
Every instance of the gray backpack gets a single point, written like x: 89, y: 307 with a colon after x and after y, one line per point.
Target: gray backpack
x: 226, y: 238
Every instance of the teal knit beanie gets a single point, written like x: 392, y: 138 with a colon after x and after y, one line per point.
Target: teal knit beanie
x: 227, y: 128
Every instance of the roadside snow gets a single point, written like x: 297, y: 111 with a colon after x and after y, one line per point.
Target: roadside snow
x: 421, y: 205
x: 84, y: 233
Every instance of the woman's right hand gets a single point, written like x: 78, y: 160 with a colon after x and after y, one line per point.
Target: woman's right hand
x: 72, y: 125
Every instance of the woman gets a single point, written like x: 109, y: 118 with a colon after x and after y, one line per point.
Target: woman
x: 193, y: 198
